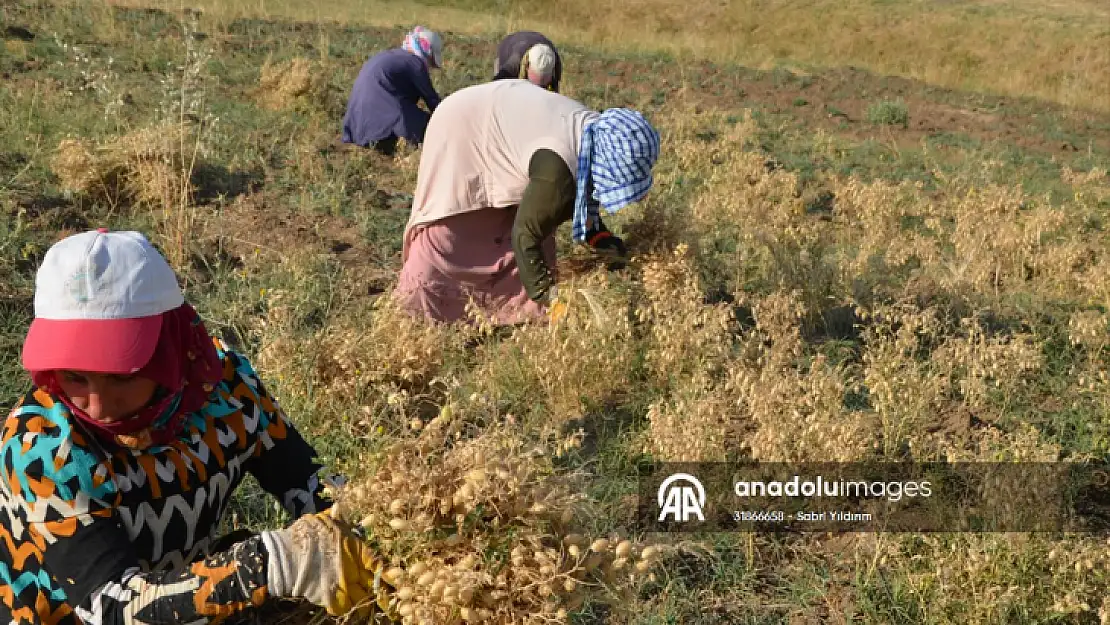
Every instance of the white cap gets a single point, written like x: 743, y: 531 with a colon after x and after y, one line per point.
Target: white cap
x: 105, y: 275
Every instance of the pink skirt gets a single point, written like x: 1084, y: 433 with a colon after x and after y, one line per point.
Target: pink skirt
x: 464, y: 257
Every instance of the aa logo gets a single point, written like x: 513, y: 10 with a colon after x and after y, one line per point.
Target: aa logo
x: 680, y: 497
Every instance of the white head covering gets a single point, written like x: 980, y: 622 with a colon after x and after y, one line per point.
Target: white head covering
x: 538, y: 64
x: 426, y: 44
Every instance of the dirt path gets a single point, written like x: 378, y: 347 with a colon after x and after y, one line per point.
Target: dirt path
x: 838, y: 100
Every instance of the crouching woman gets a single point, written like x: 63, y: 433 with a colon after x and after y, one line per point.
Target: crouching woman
x: 503, y: 166
x: 121, y: 460
x: 384, y: 104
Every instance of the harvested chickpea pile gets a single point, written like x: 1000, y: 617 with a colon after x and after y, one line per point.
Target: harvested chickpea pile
x: 483, y: 530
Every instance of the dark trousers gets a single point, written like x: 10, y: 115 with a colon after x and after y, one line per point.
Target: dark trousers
x: 387, y: 146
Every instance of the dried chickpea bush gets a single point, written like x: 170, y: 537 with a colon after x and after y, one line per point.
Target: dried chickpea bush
x: 559, y: 371
x: 392, y: 366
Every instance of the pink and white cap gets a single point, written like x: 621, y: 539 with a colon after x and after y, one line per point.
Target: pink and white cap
x: 99, y: 299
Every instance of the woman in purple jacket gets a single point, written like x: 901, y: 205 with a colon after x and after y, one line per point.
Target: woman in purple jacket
x: 383, y: 103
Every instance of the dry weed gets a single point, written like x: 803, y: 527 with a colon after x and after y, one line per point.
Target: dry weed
x: 655, y: 228
x: 481, y: 525
x: 150, y: 167
x: 872, y: 216
x: 906, y: 392
x: 986, y: 240
x: 285, y: 84
x: 287, y: 353
x: 663, y: 220
x: 388, y: 345
x: 78, y: 168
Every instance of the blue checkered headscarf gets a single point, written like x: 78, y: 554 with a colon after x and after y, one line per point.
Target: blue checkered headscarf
x: 615, y: 158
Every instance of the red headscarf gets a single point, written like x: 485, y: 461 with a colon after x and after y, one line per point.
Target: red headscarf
x: 186, y: 367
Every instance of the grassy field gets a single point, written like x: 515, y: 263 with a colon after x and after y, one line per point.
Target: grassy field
x: 879, y: 231
x: 1057, y: 51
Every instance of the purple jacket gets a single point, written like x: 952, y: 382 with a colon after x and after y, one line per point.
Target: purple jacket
x: 383, y: 101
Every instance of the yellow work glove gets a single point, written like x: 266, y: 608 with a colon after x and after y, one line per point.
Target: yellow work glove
x: 556, y: 308
x: 323, y: 561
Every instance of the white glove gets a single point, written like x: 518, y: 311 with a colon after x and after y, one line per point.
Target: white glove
x: 318, y: 559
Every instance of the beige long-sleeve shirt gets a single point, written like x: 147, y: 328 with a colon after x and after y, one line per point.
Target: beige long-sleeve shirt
x: 480, y: 141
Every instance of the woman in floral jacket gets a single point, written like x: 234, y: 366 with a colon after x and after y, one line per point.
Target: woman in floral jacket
x: 121, y: 460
